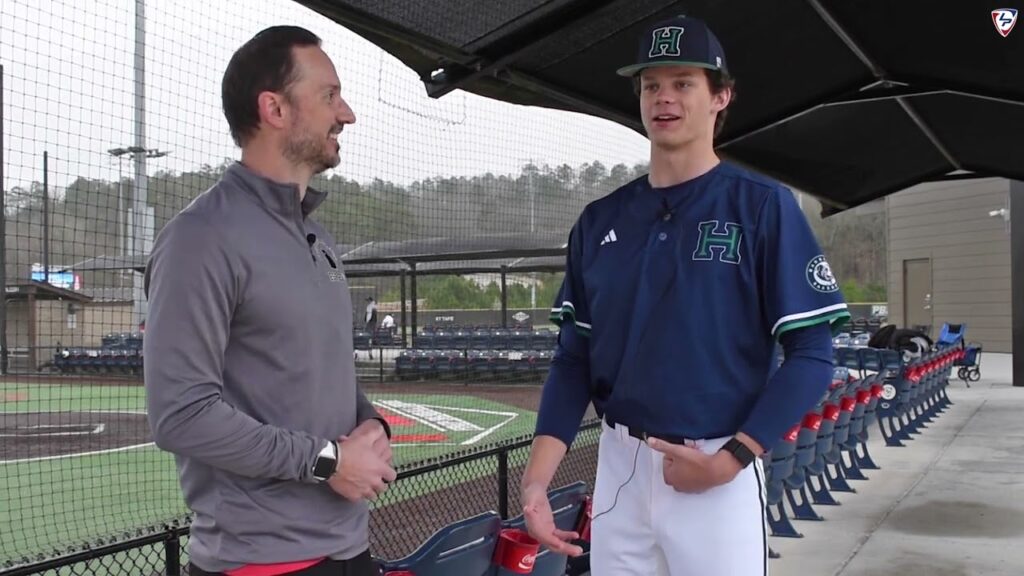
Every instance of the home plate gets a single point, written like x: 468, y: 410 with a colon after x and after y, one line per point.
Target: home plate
x: 442, y: 419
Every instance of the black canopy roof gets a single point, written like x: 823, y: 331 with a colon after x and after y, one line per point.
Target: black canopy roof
x: 518, y: 252
x: 848, y: 101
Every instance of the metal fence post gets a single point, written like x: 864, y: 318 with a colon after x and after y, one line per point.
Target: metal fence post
x: 172, y: 551
x: 503, y: 484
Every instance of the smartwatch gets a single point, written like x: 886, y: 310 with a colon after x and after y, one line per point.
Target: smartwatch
x: 326, y: 462
x: 739, y: 451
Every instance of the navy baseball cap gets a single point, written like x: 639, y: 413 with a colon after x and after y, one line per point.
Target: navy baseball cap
x: 679, y: 41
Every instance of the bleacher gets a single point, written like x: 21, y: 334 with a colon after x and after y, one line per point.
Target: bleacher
x: 120, y: 353
x: 896, y: 392
x: 479, y: 352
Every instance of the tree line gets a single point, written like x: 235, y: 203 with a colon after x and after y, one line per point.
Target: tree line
x: 84, y: 222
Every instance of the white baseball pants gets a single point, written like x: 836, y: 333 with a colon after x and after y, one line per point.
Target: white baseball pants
x: 654, y: 530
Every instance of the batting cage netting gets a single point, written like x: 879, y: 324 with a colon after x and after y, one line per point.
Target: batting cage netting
x: 450, y: 215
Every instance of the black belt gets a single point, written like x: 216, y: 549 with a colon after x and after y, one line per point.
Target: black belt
x: 643, y: 435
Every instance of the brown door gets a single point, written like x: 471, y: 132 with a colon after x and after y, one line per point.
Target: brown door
x: 917, y: 294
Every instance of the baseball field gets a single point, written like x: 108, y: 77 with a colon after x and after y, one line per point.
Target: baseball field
x: 78, y: 464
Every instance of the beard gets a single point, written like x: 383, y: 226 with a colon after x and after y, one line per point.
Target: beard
x: 306, y: 148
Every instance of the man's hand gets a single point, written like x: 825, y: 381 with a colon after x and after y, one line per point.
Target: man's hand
x: 688, y: 469
x: 364, y: 470
x: 540, y: 523
x: 382, y: 444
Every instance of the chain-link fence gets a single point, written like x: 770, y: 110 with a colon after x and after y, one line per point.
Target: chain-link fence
x: 423, y: 499
x: 450, y: 217
x: 437, y: 495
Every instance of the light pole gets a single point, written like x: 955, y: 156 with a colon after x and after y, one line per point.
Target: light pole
x: 135, y: 152
x: 533, y: 275
x: 119, y: 153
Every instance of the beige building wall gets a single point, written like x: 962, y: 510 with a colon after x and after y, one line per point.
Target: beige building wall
x: 947, y: 225
x: 55, y: 326
x: 86, y: 327
x: 17, y: 324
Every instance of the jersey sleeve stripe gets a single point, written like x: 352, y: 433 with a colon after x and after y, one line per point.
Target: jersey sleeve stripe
x: 568, y: 312
x: 835, y: 314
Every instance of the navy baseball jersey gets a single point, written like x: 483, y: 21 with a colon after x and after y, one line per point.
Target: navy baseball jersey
x: 678, y: 296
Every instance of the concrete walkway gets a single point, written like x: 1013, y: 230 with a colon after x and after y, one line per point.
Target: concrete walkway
x: 950, y: 503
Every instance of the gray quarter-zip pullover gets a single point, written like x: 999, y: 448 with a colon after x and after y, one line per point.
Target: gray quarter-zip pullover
x: 249, y: 372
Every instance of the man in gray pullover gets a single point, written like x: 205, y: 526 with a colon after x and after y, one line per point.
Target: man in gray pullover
x: 249, y: 374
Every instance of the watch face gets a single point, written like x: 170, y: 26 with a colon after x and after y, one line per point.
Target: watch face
x: 324, y: 467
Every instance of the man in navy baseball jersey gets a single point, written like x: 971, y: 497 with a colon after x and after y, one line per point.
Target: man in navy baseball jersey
x: 677, y: 289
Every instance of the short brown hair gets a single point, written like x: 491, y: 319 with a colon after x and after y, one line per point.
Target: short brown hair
x: 718, y: 80
x: 264, y: 63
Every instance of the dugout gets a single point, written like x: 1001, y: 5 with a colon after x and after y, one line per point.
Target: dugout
x: 407, y: 260
x: 41, y: 317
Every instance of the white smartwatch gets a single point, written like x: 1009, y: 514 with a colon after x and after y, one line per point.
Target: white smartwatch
x: 326, y: 462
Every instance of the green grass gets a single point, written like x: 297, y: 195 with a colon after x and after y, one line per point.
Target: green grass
x: 487, y: 428
x: 51, y: 505
x: 71, y: 397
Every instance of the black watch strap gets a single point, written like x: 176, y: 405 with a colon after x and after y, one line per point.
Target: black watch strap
x: 739, y: 451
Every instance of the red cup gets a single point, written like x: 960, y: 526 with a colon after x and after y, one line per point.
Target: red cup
x: 516, y: 551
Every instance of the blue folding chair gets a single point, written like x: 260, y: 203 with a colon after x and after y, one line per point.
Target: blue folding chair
x: 950, y: 335
x: 465, y: 547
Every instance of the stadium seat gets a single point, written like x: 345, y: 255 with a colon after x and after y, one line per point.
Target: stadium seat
x: 499, y: 339
x: 859, y: 325
x: 806, y: 448
x: 840, y: 340
x: 479, y: 362
x: 540, y: 362
x: 465, y: 548
x: 860, y: 340
x: 544, y: 340
x: 566, y: 504
x: 442, y: 339
x: 449, y: 363
x: 779, y: 465
x: 424, y: 339
x: 846, y: 356
x: 480, y: 339
x: 460, y: 339
x: 815, y: 471
x: 501, y: 364
x: 520, y: 340
x: 896, y: 393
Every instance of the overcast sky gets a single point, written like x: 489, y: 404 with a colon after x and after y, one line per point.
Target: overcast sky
x: 68, y: 77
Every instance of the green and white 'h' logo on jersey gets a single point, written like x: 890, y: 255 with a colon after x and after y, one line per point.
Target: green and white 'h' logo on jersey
x: 712, y: 240
x: 665, y: 41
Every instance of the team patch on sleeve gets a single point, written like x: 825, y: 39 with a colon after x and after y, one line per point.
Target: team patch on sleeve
x: 819, y: 275
x: 568, y: 313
